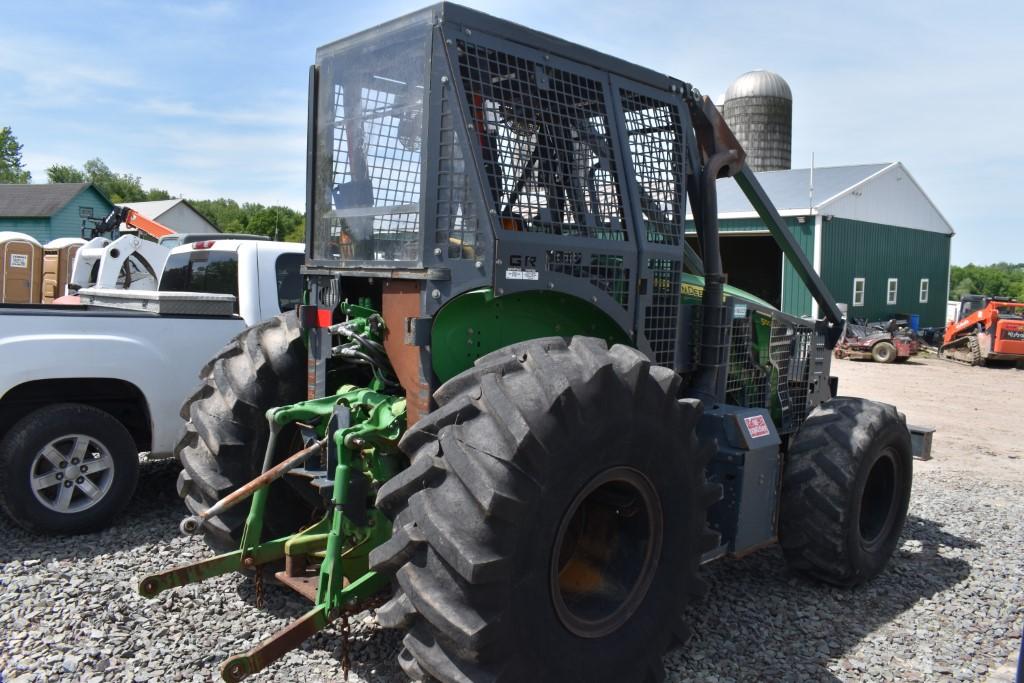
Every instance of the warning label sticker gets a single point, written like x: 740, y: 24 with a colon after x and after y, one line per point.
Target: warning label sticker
x: 19, y: 260
x: 521, y: 274
x: 757, y: 426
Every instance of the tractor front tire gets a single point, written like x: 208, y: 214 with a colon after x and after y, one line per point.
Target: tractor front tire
x: 226, y: 432
x: 552, y: 520
x: 845, y: 491
x: 883, y: 352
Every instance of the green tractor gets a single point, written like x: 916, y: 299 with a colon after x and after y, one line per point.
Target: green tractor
x: 518, y: 411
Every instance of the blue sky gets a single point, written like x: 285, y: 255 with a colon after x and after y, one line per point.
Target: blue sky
x: 208, y: 99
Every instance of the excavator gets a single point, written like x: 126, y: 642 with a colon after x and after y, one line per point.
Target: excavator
x: 989, y: 328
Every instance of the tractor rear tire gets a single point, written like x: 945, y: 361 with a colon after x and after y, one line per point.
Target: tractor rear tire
x: 552, y: 520
x: 845, y: 491
x: 226, y: 432
x: 883, y: 352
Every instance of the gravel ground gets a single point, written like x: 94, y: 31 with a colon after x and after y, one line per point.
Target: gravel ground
x: 949, y: 607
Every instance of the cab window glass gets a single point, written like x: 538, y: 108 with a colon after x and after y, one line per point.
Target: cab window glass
x: 289, y: 281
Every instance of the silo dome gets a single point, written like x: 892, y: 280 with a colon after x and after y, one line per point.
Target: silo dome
x: 759, y: 109
x: 759, y: 83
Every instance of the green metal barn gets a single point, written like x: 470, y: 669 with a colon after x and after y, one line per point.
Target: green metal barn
x: 874, y: 236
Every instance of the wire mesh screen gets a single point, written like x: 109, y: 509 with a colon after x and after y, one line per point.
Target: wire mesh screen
x: 791, y: 352
x: 661, y: 314
x: 544, y: 139
x: 607, y: 272
x: 747, y: 378
x: 369, y: 167
x: 457, y: 229
x: 656, y: 148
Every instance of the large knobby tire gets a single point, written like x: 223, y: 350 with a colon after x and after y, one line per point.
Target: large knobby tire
x: 883, y: 352
x: 845, y: 491
x: 225, y: 436
x: 551, y: 522
x: 67, y: 469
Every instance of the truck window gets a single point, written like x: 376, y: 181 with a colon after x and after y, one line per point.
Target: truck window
x: 210, y: 272
x: 289, y: 280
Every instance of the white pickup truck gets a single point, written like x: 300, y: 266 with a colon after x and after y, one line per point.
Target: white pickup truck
x: 84, y: 389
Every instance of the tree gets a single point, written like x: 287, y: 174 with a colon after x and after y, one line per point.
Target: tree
x: 11, y: 168
x: 278, y: 222
x: 64, y: 173
x: 998, y: 279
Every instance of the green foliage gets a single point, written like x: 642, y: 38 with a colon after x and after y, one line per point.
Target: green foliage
x: 276, y: 222
x: 118, y: 187
x: 64, y: 173
x: 999, y: 279
x: 227, y: 215
x: 11, y: 168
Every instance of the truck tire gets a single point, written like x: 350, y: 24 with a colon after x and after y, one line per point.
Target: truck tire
x: 552, y: 520
x: 225, y: 436
x: 845, y: 491
x: 67, y: 469
x: 883, y: 352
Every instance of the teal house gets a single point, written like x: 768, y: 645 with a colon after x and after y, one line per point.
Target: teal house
x: 49, y: 211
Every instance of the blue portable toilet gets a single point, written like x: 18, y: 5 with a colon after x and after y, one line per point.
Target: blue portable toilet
x: 915, y: 322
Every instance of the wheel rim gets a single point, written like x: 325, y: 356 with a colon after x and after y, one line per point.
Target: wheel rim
x: 606, y: 552
x: 878, y: 502
x: 72, y: 473
x: 883, y: 353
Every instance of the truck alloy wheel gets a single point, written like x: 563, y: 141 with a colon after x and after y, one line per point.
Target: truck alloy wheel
x: 67, y: 468
x: 72, y: 473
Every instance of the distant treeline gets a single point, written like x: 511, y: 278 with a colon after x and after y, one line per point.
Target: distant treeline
x: 276, y: 222
x: 999, y: 279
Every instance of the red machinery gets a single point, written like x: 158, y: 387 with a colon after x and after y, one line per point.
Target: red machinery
x: 989, y: 328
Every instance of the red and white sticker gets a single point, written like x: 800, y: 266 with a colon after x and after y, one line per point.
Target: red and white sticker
x: 757, y: 426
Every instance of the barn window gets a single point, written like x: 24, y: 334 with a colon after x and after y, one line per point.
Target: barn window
x: 923, y: 296
x: 858, y: 291
x: 890, y: 291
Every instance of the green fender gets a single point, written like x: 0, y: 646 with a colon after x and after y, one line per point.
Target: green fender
x: 475, y: 323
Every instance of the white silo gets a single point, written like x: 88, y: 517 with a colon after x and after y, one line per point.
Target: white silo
x: 759, y: 109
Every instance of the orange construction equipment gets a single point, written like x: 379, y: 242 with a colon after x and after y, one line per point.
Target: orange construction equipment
x: 989, y: 328
x: 131, y: 218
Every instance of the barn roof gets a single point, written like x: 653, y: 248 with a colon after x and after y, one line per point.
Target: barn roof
x: 881, y: 193
x: 790, y: 189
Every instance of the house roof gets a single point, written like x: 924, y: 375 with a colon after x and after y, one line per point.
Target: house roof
x: 881, y: 193
x: 153, y: 209
x: 157, y: 208
x: 38, y: 201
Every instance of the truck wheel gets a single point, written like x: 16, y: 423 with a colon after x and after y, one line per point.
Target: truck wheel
x: 845, y: 491
x: 552, y: 520
x: 883, y: 352
x: 226, y: 432
x: 67, y: 469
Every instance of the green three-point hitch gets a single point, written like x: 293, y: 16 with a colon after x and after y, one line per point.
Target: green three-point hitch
x: 353, y: 437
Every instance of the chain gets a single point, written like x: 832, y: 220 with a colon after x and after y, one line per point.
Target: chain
x: 346, y: 612
x: 260, y: 592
